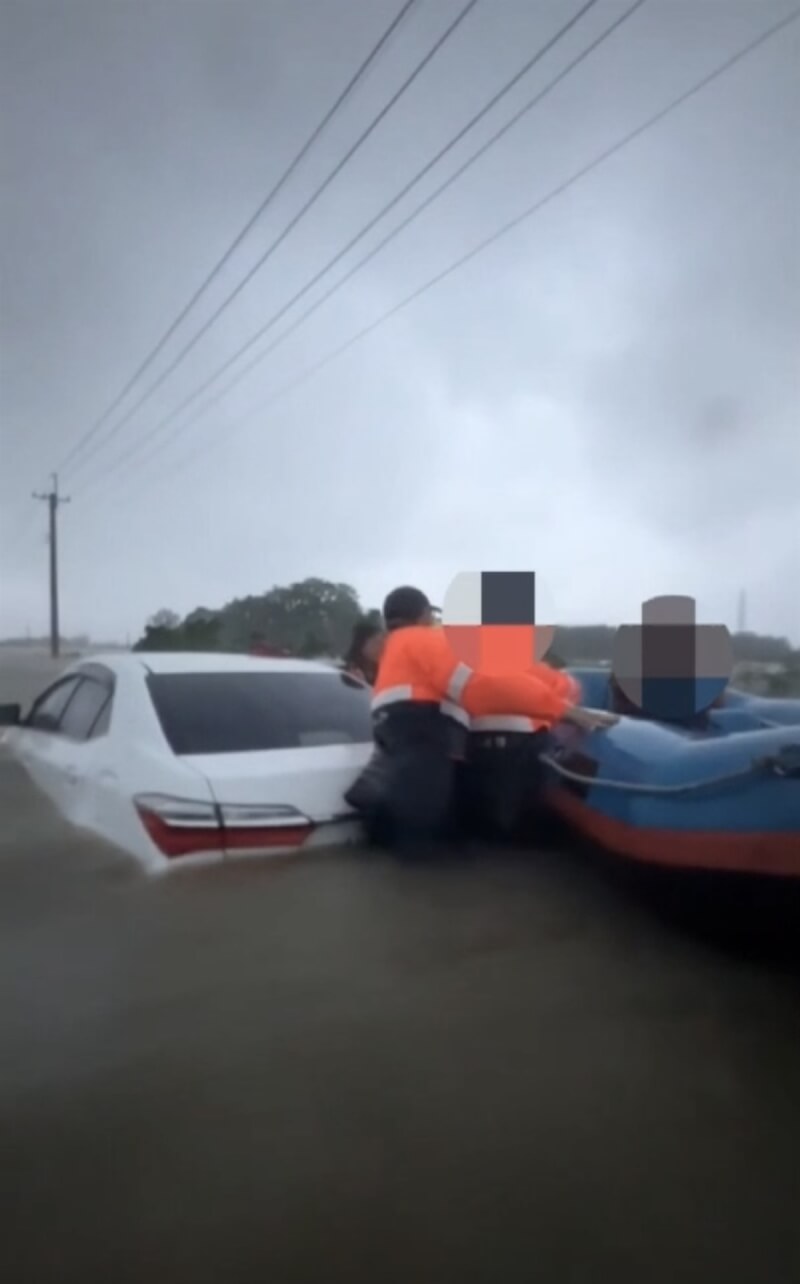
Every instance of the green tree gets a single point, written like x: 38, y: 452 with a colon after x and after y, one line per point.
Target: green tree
x: 164, y: 619
x: 160, y: 639
x: 309, y: 617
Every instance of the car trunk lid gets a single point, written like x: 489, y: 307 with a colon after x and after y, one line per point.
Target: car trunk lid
x: 277, y: 800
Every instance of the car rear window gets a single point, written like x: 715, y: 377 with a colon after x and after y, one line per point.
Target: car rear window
x: 211, y: 713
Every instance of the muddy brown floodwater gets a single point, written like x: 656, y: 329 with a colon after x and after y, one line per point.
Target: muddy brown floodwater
x: 343, y: 1070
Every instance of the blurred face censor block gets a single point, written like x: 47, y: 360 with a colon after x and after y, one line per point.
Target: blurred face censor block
x: 669, y: 666
x: 489, y: 618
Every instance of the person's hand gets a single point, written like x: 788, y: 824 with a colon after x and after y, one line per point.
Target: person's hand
x: 590, y: 719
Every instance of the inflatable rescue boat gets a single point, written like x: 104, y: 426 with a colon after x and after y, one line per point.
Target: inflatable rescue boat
x: 723, y: 795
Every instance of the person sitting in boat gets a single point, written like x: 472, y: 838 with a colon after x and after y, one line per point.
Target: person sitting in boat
x: 364, y: 652
x: 621, y: 704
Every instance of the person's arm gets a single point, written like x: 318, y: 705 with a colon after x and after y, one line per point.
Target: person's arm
x: 559, y: 680
x: 570, y: 687
x: 483, y: 695
x: 520, y: 694
x: 527, y: 695
x: 439, y: 666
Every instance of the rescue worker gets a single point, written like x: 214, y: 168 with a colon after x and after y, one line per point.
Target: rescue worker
x: 503, y: 777
x: 424, y: 699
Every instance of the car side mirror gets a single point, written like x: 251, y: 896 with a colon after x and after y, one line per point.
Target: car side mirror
x: 10, y: 715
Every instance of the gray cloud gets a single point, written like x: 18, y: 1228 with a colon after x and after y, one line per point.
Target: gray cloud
x: 610, y: 394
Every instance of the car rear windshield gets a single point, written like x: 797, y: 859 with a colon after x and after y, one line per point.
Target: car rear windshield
x: 211, y: 713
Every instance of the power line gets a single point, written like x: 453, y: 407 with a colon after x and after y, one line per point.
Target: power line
x: 412, y: 183
x: 240, y: 237
x: 583, y: 172
x: 290, y: 226
x: 371, y: 254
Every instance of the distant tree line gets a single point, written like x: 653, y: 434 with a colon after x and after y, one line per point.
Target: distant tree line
x: 595, y: 642
x: 315, y: 617
x: 312, y: 617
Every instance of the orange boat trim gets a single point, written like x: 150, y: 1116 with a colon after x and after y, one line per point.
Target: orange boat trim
x: 755, y: 853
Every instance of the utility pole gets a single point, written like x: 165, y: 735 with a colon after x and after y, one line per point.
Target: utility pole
x: 53, y: 500
x: 741, y: 623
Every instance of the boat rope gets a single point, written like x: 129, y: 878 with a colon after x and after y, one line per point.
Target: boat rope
x: 774, y: 764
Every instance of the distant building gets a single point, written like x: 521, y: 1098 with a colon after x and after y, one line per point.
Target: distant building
x: 755, y: 676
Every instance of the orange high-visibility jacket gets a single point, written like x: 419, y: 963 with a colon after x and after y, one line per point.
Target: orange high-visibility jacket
x: 561, y: 684
x: 559, y: 680
x: 418, y: 666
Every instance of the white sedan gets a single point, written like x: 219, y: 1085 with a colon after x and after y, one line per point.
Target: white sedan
x: 176, y: 758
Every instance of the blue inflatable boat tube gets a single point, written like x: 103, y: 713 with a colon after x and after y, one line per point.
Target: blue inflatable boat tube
x: 723, y: 797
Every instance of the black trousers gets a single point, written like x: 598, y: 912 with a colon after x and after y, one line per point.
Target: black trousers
x: 422, y: 801
x: 500, y: 789
x: 407, y: 795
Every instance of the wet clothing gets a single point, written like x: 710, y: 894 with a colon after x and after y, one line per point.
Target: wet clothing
x: 562, y: 682
x: 504, y: 774
x: 424, y: 703
x: 418, y: 666
x: 503, y: 777
x: 563, y: 687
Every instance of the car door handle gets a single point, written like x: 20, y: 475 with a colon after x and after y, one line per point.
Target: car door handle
x: 71, y: 775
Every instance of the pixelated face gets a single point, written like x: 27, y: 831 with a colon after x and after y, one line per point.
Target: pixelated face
x: 669, y: 666
x: 489, y: 619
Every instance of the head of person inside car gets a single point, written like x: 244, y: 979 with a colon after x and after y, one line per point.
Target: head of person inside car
x: 408, y: 607
x: 364, y: 651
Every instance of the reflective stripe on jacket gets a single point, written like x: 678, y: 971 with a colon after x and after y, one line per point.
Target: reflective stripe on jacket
x: 506, y: 724
x: 419, y: 666
x: 560, y: 683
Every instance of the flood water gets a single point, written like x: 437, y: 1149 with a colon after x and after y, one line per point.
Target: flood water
x: 522, y: 1068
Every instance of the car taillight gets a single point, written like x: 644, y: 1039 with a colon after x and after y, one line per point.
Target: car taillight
x: 250, y: 826
x: 182, y: 828
x: 178, y: 827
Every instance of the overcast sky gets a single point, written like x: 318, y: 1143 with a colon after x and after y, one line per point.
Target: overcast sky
x: 609, y: 395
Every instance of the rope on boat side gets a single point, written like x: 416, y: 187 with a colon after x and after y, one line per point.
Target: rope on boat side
x: 634, y: 787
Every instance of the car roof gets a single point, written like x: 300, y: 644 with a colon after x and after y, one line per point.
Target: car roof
x: 202, y: 662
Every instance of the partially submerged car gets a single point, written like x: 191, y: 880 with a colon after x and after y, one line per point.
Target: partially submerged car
x: 180, y: 757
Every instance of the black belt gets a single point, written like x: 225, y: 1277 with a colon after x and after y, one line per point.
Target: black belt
x: 417, y: 724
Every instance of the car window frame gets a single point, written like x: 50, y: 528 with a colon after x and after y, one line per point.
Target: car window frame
x: 28, y: 725
x: 107, y: 706
x: 96, y: 677
x: 95, y: 673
